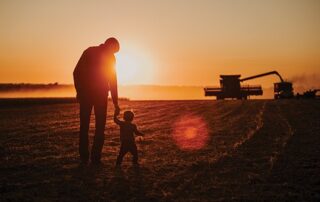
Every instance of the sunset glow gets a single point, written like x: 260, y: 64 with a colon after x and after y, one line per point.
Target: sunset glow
x: 134, y: 67
x: 159, y: 100
x: 167, y: 43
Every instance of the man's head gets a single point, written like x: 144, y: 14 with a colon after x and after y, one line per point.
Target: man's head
x: 128, y: 116
x: 112, y: 44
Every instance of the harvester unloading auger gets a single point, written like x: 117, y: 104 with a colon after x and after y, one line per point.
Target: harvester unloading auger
x: 261, y: 75
x: 230, y: 87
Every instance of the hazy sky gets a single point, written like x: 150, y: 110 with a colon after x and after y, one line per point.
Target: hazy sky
x: 167, y: 42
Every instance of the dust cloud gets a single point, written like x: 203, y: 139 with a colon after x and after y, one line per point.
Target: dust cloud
x: 305, y: 82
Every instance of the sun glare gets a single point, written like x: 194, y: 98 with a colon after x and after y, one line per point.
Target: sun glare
x: 134, y: 67
x: 190, y: 132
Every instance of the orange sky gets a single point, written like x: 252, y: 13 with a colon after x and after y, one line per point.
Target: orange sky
x: 165, y: 42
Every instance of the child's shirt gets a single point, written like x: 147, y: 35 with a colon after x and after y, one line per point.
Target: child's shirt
x: 127, y: 130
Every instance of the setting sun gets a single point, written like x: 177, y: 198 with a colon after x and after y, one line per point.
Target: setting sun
x: 134, y: 67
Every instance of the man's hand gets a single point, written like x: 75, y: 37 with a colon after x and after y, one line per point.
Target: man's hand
x: 116, y: 110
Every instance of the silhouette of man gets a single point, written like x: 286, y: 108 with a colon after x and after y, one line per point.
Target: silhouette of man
x: 94, y: 76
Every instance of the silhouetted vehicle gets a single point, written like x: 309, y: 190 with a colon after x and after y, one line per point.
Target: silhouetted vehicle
x: 283, y: 90
x: 309, y: 94
x: 230, y: 87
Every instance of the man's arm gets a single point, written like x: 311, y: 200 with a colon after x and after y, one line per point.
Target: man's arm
x: 78, y: 74
x: 113, y: 84
x: 137, y: 132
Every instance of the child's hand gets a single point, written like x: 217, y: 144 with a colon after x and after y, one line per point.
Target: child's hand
x: 115, y: 118
x: 116, y: 110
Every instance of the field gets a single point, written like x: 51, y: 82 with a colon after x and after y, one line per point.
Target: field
x: 232, y: 150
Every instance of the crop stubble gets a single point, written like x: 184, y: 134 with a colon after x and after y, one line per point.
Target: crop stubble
x: 256, y: 150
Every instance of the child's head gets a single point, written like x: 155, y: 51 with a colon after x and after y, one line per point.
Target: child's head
x: 128, y: 115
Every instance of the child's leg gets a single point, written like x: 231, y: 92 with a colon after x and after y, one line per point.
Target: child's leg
x: 122, y: 152
x: 134, y: 152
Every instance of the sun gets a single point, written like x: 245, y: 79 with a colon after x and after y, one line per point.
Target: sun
x: 134, y: 67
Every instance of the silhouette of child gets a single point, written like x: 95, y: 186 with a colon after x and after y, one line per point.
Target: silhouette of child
x: 127, y: 131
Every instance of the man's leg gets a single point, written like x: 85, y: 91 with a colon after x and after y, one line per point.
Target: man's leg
x: 100, y: 110
x: 85, y: 111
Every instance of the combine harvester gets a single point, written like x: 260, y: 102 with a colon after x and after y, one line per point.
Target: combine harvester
x: 230, y: 87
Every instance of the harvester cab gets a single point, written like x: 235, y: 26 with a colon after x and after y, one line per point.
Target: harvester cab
x: 283, y: 90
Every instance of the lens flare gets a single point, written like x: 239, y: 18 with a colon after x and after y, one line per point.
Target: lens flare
x: 190, y: 132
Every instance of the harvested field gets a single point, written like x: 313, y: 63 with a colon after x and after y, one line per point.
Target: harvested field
x: 254, y: 150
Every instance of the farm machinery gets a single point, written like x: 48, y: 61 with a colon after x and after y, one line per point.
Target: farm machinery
x: 230, y: 87
x: 309, y: 94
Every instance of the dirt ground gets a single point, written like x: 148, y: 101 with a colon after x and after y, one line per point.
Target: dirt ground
x: 253, y: 150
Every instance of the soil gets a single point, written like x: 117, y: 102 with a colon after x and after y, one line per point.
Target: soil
x: 253, y: 150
